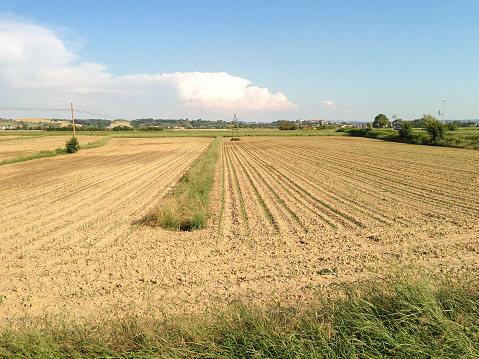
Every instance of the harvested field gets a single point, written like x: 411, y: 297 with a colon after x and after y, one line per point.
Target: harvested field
x: 282, y: 209
x: 24, y: 146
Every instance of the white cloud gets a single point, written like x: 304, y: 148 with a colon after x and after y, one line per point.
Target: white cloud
x: 35, y: 63
x: 328, y: 105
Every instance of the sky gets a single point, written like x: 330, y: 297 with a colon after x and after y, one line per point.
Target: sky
x: 261, y: 60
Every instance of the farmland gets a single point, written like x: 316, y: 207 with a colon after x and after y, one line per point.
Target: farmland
x: 282, y: 209
x: 19, y: 146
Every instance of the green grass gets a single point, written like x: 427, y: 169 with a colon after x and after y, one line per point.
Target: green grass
x: 403, y: 316
x: 96, y: 144
x: 469, y: 139
x: 37, y: 155
x: 213, y: 133
x: 186, y: 208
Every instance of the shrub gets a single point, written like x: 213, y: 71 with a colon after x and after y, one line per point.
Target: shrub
x: 450, y: 126
x: 435, y: 129
x: 360, y: 132
x: 72, y: 145
x: 326, y: 127
x: 285, y: 125
x: 405, y: 130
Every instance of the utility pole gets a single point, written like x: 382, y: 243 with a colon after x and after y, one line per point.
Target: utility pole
x: 235, y: 130
x: 73, y: 120
x: 443, y: 100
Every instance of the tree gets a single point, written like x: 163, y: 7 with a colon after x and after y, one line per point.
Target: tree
x: 72, y: 145
x: 380, y: 121
x: 405, y: 130
x: 450, y: 126
x: 434, y: 128
x: 285, y: 125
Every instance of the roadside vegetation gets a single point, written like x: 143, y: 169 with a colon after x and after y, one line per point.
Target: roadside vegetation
x: 402, y: 316
x: 186, y: 209
x: 430, y: 132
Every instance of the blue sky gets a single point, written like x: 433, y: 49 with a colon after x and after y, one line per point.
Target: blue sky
x: 263, y: 60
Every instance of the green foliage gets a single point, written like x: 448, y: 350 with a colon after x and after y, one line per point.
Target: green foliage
x: 93, y: 122
x: 381, y: 121
x: 72, y: 145
x: 123, y: 128
x: 326, y: 127
x: 406, y: 130
x: 427, y: 118
x: 435, y: 129
x: 359, y: 132
x: 405, y: 315
x: 187, y: 207
x: 450, y: 126
x: 285, y: 125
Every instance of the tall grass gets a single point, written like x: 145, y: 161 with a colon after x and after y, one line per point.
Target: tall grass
x: 96, y: 144
x: 402, y: 316
x: 186, y: 208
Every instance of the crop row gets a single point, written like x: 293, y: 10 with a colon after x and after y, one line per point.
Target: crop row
x: 323, y: 184
x: 88, y: 198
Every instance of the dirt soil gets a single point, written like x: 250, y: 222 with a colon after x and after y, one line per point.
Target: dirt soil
x: 25, y: 146
x: 282, y: 210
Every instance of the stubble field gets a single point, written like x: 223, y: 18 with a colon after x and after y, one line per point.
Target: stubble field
x: 19, y: 146
x: 282, y: 210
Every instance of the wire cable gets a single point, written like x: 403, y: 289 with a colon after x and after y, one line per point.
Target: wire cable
x: 61, y: 109
x: 34, y: 109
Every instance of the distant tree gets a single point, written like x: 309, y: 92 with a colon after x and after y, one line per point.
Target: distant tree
x: 381, y: 121
x: 285, y: 125
x: 450, y: 126
x: 405, y: 130
x: 434, y: 128
x: 426, y: 118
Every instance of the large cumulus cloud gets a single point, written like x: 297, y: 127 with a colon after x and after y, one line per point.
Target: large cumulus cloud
x: 36, y: 65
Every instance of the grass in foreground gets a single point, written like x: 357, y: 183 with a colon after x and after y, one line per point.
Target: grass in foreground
x: 403, y: 316
x: 186, y: 208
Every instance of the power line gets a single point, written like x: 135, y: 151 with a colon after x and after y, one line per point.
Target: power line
x: 96, y: 114
x: 59, y: 109
x: 33, y: 109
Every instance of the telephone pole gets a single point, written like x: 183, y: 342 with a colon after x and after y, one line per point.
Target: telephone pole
x: 73, y: 120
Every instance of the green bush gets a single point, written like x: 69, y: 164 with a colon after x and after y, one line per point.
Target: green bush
x: 450, y: 126
x: 405, y: 130
x: 72, y: 145
x: 326, y: 127
x: 435, y: 129
x: 286, y: 125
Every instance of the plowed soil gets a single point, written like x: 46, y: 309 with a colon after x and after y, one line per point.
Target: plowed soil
x: 15, y: 147
x: 282, y: 210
